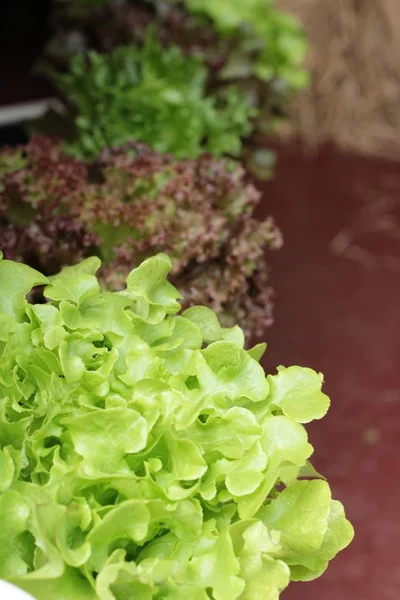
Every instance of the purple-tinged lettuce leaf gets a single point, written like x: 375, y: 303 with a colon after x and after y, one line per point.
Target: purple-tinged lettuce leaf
x: 126, y: 205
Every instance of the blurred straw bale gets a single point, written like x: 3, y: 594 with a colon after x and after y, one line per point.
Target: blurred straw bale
x: 354, y: 60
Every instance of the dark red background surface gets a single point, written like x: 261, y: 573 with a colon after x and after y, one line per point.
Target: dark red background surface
x: 338, y: 312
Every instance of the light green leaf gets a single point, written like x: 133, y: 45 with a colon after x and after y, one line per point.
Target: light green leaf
x: 248, y: 473
x: 128, y: 521
x: 236, y: 371
x: 103, y: 438
x: 206, y: 320
x: 50, y: 331
x: 287, y: 438
x: 210, y: 328
x: 70, y: 527
x: 187, y: 461
x: 7, y: 469
x: 218, y: 569
x: 256, y: 546
x: 257, y: 352
x: 155, y: 296
x: 232, y: 434
x: 338, y: 536
x: 75, y: 283
x: 297, y: 391
x: 105, y: 313
x: 301, y: 514
x: 16, y: 280
x: 121, y: 580
x: 15, y: 547
x: 69, y: 586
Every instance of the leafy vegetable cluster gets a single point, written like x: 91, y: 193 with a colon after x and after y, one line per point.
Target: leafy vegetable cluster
x: 145, y: 454
x: 153, y: 95
x: 130, y: 203
x: 253, y: 53
x: 267, y: 42
x: 271, y: 40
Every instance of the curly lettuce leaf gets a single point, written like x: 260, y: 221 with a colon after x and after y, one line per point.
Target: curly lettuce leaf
x: 297, y: 391
x: 16, y: 280
x: 145, y: 454
x: 153, y: 94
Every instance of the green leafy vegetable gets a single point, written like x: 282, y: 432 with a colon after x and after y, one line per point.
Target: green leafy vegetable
x: 298, y: 394
x: 252, y: 37
x: 274, y: 37
x: 191, y: 91
x: 153, y: 95
x: 144, y: 454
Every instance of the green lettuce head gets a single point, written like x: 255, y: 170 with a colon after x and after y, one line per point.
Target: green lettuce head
x: 144, y: 454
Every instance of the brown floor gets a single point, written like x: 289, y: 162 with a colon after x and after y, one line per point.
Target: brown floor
x: 337, y: 310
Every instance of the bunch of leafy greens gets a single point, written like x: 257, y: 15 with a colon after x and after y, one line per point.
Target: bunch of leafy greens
x: 274, y: 37
x: 130, y: 203
x: 266, y: 42
x: 153, y: 95
x: 252, y: 52
x: 145, y: 454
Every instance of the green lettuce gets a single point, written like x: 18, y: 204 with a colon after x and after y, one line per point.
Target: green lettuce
x: 144, y: 454
x: 271, y: 35
x: 154, y: 95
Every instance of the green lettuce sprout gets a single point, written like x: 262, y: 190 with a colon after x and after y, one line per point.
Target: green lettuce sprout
x: 144, y: 454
